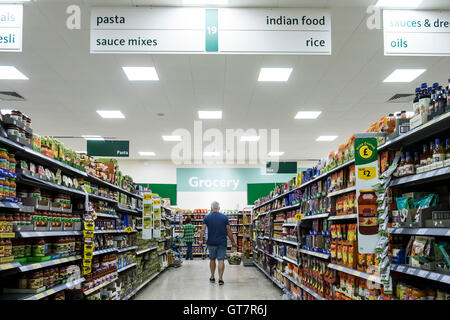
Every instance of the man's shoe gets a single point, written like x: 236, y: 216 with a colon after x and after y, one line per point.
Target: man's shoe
x: 221, y: 282
x: 212, y: 280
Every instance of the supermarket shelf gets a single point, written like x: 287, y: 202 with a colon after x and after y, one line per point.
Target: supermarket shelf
x: 421, y: 178
x: 127, y: 210
x: 39, y: 265
x: 146, y: 250
x: 9, y: 265
x: 356, y: 273
x: 40, y: 158
x: 277, y: 283
x: 343, y: 217
x: 89, y: 291
x: 316, y: 254
x: 112, y: 231
x: 111, y: 186
x: 424, y: 131
x: 286, y: 208
x: 98, y: 252
x: 289, y: 224
x: 160, y: 253
x: 305, y: 288
x: 32, y: 234
x: 7, y: 235
x: 316, y: 216
x: 133, y: 292
x: 54, y: 290
x: 127, y: 267
x: 339, y: 192
x: 290, y: 260
x: 127, y: 249
x: 271, y: 255
x: 106, y: 215
x: 10, y: 205
x: 285, y: 241
x: 421, y: 231
x: 431, y: 275
x: 101, y: 198
x: 27, y: 178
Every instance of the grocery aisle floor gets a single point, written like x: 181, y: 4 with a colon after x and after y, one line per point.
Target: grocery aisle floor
x: 190, y: 281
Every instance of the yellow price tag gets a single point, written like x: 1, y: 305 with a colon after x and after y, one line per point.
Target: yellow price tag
x: 88, y: 247
x: 89, y: 226
x: 367, y: 173
x: 129, y: 229
x: 147, y: 197
x: 298, y: 216
x: 88, y: 234
x: 157, y: 202
x: 86, y: 269
x: 87, y: 263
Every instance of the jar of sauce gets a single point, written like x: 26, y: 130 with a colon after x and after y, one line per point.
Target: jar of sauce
x: 4, y: 159
x: 12, y: 163
x: 12, y: 188
x: 367, y: 212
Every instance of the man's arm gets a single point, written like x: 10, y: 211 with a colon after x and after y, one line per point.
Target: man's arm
x: 202, y: 235
x: 230, y: 235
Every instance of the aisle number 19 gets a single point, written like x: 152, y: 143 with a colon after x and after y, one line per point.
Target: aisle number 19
x: 212, y: 30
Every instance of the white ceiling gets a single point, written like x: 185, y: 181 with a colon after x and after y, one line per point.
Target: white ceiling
x: 67, y: 84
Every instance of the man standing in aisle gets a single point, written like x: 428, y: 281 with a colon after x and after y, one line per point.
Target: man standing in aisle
x: 188, y: 234
x: 218, y: 229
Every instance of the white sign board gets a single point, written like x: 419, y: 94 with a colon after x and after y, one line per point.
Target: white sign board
x: 416, y: 33
x: 11, y: 18
x: 198, y: 30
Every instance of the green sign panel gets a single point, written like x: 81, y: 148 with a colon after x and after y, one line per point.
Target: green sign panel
x: 108, y: 148
x: 212, y: 30
x: 365, y: 150
x: 281, y: 167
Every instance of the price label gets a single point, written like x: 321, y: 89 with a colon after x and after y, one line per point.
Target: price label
x: 89, y: 226
x: 87, y: 263
x: 422, y: 231
x: 148, y: 196
x: 367, y: 173
x: 88, y: 234
x: 129, y: 229
x: 446, y: 279
x: 447, y: 233
x: 357, y: 273
x: 410, y: 271
x: 298, y: 216
x: 157, y: 202
x: 86, y: 269
x: 434, y: 276
x: 88, y: 247
x: 400, y: 269
x: 423, y: 273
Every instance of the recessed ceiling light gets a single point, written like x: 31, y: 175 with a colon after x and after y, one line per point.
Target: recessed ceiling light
x: 211, y: 154
x: 205, y: 2
x: 141, y: 73
x: 398, y: 3
x: 326, y: 138
x: 210, y: 114
x: 13, y: 1
x: 404, y: 75
x: 111, y: 114
x: 274, y: 74
x: 275, y: 154
x: 249, y: 138
x: 93, y: 137
x: 146, y: 153
x: 6, y: 111
x: 11, y: 73
x: 171, y: 138
x: 307, y: 114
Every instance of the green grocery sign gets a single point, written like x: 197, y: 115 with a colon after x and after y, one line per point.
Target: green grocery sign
x: 224, y: 179
x: 108, y: 148
x: 365, y: 150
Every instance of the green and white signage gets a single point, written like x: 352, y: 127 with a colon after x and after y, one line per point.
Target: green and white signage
x: 224, y: 179
x: 11, y: 19
x: 199, y: 30
x: 108, y: 148
x: 416, y: 33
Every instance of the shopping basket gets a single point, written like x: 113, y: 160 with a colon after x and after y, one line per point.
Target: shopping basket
x: 235, y: 259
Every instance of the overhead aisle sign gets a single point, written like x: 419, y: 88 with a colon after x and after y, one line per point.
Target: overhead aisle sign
x: 198, y: 30
x: 11, y: 18
x: 416, y: 33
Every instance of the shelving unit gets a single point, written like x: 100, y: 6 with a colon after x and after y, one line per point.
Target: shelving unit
x: 426, y: 274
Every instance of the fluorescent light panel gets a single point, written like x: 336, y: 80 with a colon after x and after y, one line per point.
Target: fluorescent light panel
x: 274, y: 74
x: 203, y: 114
x: 146, y: 153
x: 93, y: 137
x: 404, y: 75
x: 249, y: 138
x: 171, y: 138
x: 211, y: 154
x: 308, y: 114
x: 141, y: 73
x: 275, y: 153
x: 11, y: 73
x: 398, y: 3
x: 205, y: 2
x: 111, y: 114
x: 326, y: 138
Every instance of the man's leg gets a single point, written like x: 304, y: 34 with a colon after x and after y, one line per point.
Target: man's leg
x: 189, y: 250
x: 212, y: 267
x: 221, y: 269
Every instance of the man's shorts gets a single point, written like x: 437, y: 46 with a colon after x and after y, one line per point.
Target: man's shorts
x: 217, y: 252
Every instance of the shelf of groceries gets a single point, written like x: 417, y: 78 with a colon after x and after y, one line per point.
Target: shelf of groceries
x: 415, y: 154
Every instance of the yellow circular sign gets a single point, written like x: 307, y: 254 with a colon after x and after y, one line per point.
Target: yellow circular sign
x: 129, y: 229
x: 298, y: 216
x: 365, y: 152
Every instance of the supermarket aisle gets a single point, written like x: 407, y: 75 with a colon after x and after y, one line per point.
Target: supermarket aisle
x: 190, y: 281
